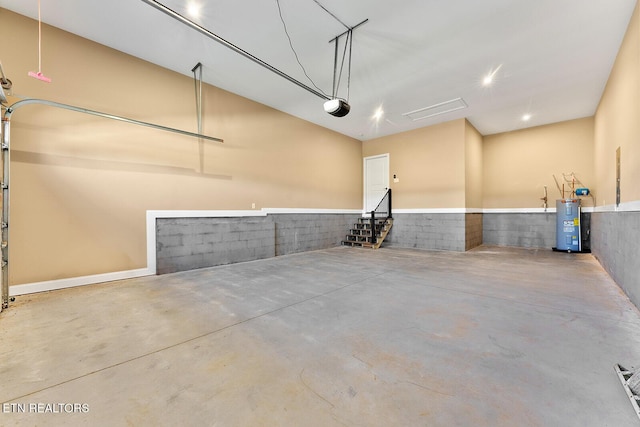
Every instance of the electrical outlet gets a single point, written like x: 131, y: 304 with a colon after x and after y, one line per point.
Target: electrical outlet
x: 253, y: 205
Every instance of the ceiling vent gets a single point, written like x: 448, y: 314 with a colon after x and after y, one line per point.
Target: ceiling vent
x: 436, y: 109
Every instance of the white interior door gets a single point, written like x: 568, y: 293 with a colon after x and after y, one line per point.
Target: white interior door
x: 376, y: 180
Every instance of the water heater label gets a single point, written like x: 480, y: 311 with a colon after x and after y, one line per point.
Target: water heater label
x: 567, y: 226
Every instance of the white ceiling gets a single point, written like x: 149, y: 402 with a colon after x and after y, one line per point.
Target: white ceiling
x: 554, y: 56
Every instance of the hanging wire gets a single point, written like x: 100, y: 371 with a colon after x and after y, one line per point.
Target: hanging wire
x: 39, y: 40
x: 335, y: 67
x: 197, y: 79
x: 349, y: 69
x: 284, y: 25
x: 347, y: 43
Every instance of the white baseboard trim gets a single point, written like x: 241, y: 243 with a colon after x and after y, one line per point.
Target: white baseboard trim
x: 624, y: 207
x: 477, y: 210
x: 203, y: 214
x: 519, y: 210
x: 270, y: 211
x: 432, y: 211
x: 52, y: 285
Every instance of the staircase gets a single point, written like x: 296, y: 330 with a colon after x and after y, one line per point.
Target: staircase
x: 361, y: 235
x: 371, y: 232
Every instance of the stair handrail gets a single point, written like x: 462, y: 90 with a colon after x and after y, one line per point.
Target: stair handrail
x: 387, y: 197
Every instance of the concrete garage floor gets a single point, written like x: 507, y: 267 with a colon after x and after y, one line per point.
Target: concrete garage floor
x: 394, y: 337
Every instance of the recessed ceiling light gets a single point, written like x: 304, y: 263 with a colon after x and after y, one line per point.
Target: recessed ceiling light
x: 193, y: 9
x: 488, y: 79
x: 526, y: 117
x: 378, y: 114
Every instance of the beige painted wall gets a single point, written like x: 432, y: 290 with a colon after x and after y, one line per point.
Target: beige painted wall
x: 81, y: 185
x: 617, y: 123
x: 429, y: 162
x: 473, y: 167
x: 517, y: 165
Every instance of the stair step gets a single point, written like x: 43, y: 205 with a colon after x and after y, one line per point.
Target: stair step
x: 358, y: 237
x: 368, y: 221
x: 357, y: 244
x: 366, y: 227
x: 362, y: 226
x: 355, y: 238
x: 361, y: 234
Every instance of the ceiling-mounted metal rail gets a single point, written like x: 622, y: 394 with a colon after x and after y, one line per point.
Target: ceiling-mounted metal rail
x: 350, y: 30
x: 333, y: 15
x: 197, y: 78
x: 30, y: 101
x: 6, y: 175
x: 175, y: 15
